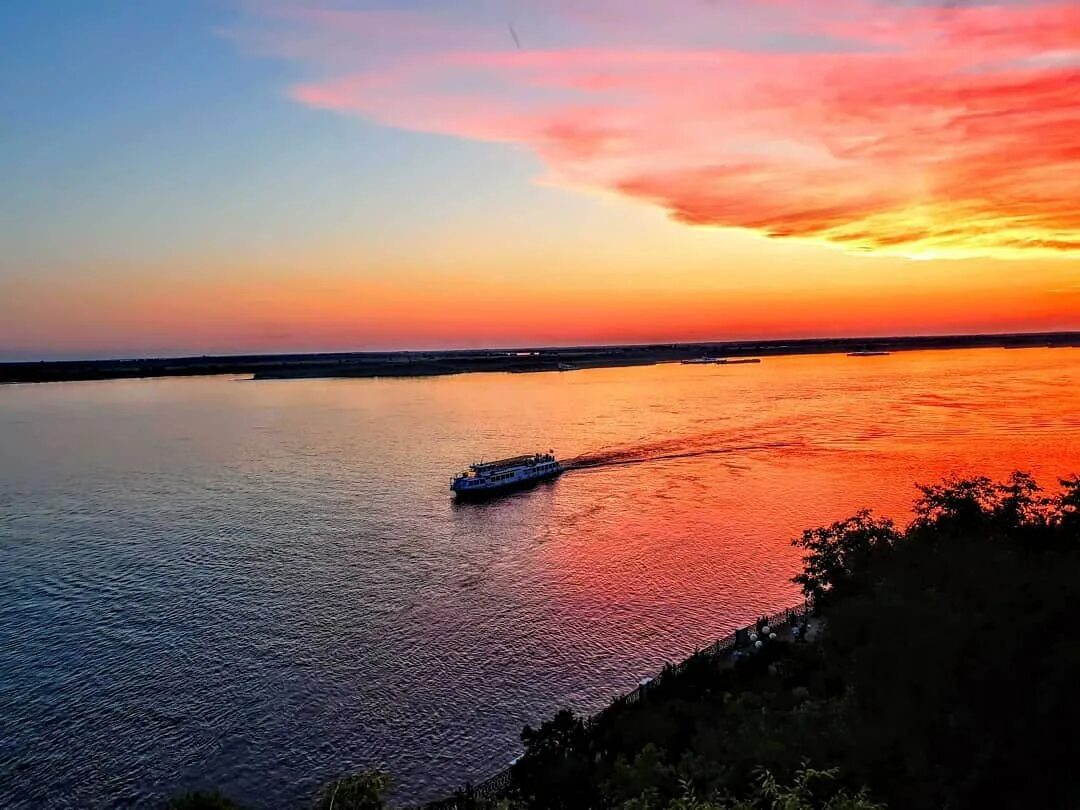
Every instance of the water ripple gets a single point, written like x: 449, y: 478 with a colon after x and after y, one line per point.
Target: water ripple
x: 259, y: 587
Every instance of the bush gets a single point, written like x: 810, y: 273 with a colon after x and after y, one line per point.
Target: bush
x: 362, y: 791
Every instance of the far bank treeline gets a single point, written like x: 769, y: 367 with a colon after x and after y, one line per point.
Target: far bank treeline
x: 465, y: 361
x: 943, y: 675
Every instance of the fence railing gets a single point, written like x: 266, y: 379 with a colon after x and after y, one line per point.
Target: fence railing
x: 495, y: 785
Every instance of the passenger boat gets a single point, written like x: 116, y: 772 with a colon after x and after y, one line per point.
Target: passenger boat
x: 495, y: 477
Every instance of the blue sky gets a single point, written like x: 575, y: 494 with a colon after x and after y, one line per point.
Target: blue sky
x: 134, y: 126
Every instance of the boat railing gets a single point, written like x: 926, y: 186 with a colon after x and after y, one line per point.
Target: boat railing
x: 531, y: 459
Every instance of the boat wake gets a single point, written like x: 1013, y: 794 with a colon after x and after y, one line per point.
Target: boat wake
x: 671, y: 450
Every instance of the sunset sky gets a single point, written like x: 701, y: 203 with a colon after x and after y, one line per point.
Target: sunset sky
x: 219, y: 176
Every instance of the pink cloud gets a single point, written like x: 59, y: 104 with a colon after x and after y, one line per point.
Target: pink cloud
x: 869, y: 124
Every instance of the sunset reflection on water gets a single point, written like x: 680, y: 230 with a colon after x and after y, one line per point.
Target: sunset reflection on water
x: 299, y: 537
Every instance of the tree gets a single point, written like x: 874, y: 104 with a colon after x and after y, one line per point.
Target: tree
x: 811, y: 789
x: 956, y: 504
x: 1019, y: 506
x: 556, y: 770
x: 361, y: 791
x: 1068, y: 511
x: 837, y: 554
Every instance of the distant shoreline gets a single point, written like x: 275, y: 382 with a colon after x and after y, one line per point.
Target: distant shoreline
x: 438, y: 363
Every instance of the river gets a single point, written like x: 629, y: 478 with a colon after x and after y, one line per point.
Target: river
x: 257, y: 586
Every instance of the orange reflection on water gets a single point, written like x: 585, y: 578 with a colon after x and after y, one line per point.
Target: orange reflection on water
x: 712, y: 470
x: 291, y: 520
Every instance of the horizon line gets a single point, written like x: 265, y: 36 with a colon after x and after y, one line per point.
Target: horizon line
x: 542, y: 347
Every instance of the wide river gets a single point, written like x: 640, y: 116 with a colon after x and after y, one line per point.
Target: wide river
x: 261, y: 585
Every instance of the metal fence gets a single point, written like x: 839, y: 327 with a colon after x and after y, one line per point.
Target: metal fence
x: 494, y: 786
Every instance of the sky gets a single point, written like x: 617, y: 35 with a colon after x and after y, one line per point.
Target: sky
x: 227, y: 176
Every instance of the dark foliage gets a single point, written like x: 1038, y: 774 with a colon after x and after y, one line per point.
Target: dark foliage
x: 941, y: 675
x: 942, y: 678
x: 360, y: 791
x: 837, y: 554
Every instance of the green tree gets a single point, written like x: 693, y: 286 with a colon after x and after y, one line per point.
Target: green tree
x: 556, y: 770
x: 957, y: 504
x: 837, y: 554
x: 361, y: 791
x: 811, y: 789
x: 1067, y: 514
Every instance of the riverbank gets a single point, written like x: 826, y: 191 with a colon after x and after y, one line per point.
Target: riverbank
x: 792, y: 625
x: 942, y: 675
x: 435, y: 363
x: 916, y: 695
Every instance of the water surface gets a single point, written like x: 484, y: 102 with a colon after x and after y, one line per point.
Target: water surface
x: 261, y: 585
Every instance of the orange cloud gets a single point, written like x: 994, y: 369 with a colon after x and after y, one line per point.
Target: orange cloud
x: 867, y: 124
